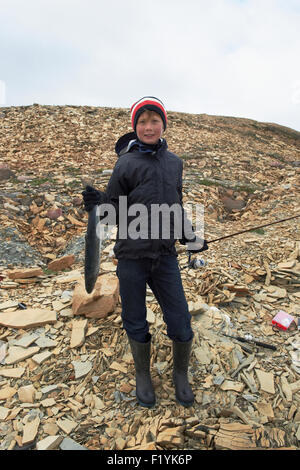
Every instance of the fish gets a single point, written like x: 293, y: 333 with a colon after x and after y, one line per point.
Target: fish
x: 92, y: 251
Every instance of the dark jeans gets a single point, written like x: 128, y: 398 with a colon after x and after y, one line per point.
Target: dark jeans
x: 165, y: 282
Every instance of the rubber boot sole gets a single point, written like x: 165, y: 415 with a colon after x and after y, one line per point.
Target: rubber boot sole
x: 186, y: 404
x: 145, y: 405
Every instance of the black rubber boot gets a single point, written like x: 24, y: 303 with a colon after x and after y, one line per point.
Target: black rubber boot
x: 181, y: 357
x: 144, y: 389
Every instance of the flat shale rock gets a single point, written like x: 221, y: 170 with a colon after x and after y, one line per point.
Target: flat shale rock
x: 26, y: 340
x: 3, y: 413
x: 27, y: 318
x: 7, y: 392
x: 75, y: 275
x: 79, y: 328
x: 18, y: 354
x: 61, y: 263
x: 8, y: 304
x: 41, y: 357
x: 266, y: 380
x: 44, y: 342
x: 69, y: 444
x: 66, y: 425
x: 30, y: 430
x: 81, y: 368
x: 15, y: 373
x: 25, y: 273
x: 232, y: 385
x: 235, y: 436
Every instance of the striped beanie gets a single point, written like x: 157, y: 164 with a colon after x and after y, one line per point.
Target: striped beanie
x: 148, y: 103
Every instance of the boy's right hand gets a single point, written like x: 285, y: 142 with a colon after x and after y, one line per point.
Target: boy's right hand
x: 197, y: 245
x: 91, y: 198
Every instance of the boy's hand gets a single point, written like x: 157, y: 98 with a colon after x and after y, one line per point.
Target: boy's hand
x: 91, y: 198
x: 197, y: 246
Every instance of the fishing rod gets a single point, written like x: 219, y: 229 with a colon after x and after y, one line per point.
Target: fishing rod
x: 252, y: 228
x: 250, y: 339
x: 196, y: 263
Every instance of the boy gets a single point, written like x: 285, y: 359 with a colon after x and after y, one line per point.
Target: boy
x: 148, y: 173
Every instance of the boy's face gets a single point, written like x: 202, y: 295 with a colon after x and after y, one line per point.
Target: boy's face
x: 150, y: 127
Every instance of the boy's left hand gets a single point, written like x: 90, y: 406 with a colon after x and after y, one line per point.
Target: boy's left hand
x: 197, y: 246
x: 91, y: 198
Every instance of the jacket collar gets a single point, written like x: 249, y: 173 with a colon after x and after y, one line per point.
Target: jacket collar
x: 129, y: 142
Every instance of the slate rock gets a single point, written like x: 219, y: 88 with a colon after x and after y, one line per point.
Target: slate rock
x: 70, y: 444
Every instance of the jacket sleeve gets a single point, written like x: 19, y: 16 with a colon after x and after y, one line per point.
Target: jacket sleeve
x: 188, y: 234
x: 116, y: 187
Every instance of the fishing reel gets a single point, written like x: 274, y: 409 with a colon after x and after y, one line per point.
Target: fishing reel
x: 195, y: 263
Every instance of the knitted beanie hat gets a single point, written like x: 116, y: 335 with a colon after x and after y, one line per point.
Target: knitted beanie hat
x: 149, y: 103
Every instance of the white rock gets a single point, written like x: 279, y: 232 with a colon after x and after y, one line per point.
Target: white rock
x: 81, y: 368
x: 41, y: 357
x: 44, y: 342
x: 17, y: 354
x: 3, y: 413
x: 150, y: 316
x: 49, y: 443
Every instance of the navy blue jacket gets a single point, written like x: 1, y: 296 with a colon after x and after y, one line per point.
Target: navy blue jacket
x: 145, y: 175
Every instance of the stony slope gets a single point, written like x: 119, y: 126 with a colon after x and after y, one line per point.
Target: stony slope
x: 246, y: 174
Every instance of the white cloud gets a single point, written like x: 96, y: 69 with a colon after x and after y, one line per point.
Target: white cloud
x: 225, y: 57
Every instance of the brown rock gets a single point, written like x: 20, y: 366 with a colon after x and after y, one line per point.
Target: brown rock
x: 77, y: 201
x: 5, y: 172
x: 170, y: 437
x: 53, y: 214
x: 27, y: 394
x: 234, y: 436
x: 7, y: 392
x: 51, y: 429
x: 67, y: 425
x: 25, y: 273
x: 125, y: 388
x: 120, y: 443
x: 101, y: 301
x: 61, y: 263
x: 23, y: 178
x: 233, y: 204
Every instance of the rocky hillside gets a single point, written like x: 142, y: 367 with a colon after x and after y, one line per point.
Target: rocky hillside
x: 246, y: 174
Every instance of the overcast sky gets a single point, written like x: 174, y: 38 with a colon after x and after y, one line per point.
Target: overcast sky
x: 223, y: 57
